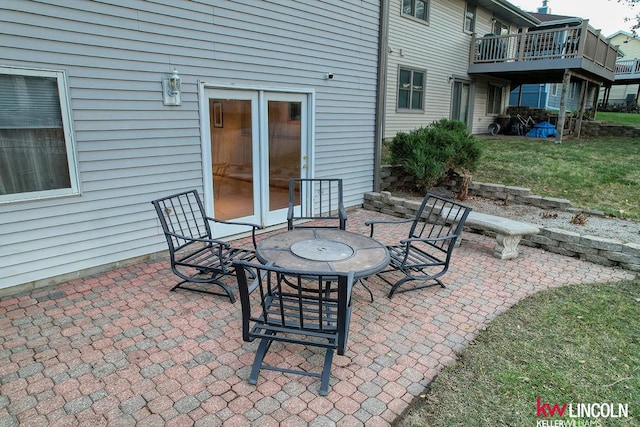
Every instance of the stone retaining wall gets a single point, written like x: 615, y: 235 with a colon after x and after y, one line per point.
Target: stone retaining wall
x: 395, y: 178
x: 596, y: 128
x: 595, y: 249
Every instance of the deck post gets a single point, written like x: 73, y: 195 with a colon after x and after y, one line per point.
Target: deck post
x: 595, y: 101
x: 584, y: 35
x: 472, y: 49
x: 583, y: 103
x: 523, y: 39
x: 563, y: 106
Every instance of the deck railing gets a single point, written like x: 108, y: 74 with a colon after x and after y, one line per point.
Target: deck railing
x: 628, y: 66
x: 561, y: 43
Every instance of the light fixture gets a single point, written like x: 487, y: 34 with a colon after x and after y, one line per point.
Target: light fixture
x: 171, y: 89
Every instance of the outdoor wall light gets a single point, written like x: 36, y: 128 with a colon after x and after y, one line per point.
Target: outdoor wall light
x: 171, y: 89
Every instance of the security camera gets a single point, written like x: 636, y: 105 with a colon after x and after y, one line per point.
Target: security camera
x: 328, y: 76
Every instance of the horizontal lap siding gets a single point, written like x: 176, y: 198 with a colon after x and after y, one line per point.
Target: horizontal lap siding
x: 441, y: 48
x: 131, y: 149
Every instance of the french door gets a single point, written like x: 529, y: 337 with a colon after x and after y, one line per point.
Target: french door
x: 258, y: 140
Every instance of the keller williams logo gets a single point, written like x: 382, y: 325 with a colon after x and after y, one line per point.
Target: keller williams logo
x: 581, y: 410
x: 546, y: 410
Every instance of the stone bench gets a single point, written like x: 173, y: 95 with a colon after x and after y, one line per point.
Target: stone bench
x: 508, y: 232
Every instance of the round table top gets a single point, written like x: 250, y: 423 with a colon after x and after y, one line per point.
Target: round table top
x: 324, y: 249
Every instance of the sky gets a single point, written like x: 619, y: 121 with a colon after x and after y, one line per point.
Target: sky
x: 606, y: 15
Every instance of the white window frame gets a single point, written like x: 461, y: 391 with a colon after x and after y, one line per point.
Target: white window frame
x: 65, y: 110
x: 411, y: 92
x: 412, y: 15
x: 469, y: 18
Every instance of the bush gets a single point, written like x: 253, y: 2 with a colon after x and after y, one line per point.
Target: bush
x: 428, y: 153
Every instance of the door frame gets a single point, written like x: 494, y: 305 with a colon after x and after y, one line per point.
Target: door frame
x: 279, y: 216
x: 205, y: 133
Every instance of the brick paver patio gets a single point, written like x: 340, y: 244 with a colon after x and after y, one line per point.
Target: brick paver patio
x: 119, y: 349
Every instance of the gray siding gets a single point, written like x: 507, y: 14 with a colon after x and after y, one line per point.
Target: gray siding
x: 440, y: 47
x: 131, y: 149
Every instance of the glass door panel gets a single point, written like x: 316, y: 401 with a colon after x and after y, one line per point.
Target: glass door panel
x: 286, y: 150
x: 284, y: 119
x: 232, y: 158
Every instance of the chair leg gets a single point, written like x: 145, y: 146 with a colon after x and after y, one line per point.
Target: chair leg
x: 265, y: 343
x: 396, y: 285
x: 225, y: 288
x: 400, y: 282
x: 326, y: 373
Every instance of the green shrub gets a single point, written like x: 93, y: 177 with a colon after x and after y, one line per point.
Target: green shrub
x: 428, y: 153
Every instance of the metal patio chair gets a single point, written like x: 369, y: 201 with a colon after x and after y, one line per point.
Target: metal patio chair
x: 425, y: 253
x: 328, y: 206
x: 316, y: 199
x: 307, y: 315
x: 196, y: 256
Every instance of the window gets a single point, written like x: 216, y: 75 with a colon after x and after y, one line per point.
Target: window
x: 36, y: 152
x: 554, y: 89
x: 494, y: 99
x: 411, y: 89
x: 470, y: 18
x: 419, y: 9
x: 500, y: 28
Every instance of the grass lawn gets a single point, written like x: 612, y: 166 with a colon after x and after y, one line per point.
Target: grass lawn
x: 625, y: 118
x: 599, y: 173
x: 576, y: 344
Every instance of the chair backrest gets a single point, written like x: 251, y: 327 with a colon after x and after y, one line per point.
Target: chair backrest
x: 316, y: 198
x: 296, y: 303
x: 182, y: 214
x: 438, y: 218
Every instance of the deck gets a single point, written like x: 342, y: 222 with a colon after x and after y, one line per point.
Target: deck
x: 542, y: 56
x: 628, y: 71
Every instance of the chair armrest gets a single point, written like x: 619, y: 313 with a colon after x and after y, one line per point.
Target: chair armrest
x: 371, y: 224
x: 254, y: 227
x: 429, y: 239
x: 197, y: 239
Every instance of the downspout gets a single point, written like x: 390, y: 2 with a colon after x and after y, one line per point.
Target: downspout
x: 383, y: 51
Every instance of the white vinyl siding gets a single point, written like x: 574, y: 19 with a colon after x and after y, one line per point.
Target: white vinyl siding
x: 443, y: 53
x: 435, y: 49
x: 132, y: 149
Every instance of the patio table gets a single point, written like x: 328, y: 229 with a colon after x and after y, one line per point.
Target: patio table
x: 330, y: 250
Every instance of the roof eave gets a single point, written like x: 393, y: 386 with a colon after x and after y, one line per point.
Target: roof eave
x: 509, y: 12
